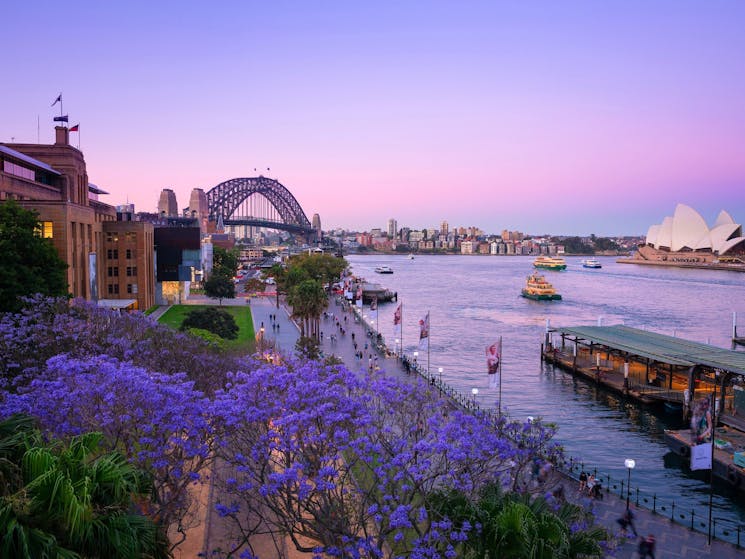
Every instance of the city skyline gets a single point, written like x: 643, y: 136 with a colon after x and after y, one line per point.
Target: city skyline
x: 573, y: 119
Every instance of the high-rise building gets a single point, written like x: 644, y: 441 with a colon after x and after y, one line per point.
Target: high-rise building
x: 392, y: 228
x: 167, y: 206
x: 444, y: 228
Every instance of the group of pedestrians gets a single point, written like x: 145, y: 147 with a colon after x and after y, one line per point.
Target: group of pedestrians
x: 591, y: 486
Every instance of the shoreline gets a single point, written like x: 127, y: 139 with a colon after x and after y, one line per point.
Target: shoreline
x: 699, y: 266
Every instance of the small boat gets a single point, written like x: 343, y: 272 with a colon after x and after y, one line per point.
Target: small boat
x: 591, y: 263
x: 549, y: 263
x: 538, y: 289
x: 383, y: 270
x: 410, y: 257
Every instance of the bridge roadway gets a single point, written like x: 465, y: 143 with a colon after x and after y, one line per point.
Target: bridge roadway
x: 673, y: 540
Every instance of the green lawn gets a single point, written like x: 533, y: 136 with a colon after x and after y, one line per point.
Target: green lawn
x: 174, y: 316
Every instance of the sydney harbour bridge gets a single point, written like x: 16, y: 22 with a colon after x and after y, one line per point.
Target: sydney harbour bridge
x: 258, y: 202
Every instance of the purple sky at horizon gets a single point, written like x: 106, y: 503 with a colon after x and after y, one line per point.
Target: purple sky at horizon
x: 562, y: 117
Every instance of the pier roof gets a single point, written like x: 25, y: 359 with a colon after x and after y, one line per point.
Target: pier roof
x: 659, y: 347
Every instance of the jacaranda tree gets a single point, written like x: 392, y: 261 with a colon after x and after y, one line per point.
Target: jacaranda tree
x: 158, y: 422
x: 342, y: 463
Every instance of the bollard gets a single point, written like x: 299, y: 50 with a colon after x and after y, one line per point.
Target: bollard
x: 654, y: 503
x: 693, y: 513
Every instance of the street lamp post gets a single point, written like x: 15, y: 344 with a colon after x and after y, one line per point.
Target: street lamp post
x: 439, y: 370
x: 475, y: 392
x: 416, y: 367
x: 629, y: 463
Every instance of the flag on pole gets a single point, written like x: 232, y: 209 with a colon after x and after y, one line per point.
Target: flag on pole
x: 57, y: 100
x: 424, y: 331
x: 494, y: 362
x: 374, y: 308
x: 61, y: 118
x: 75, y: 128
x: 397, y: 321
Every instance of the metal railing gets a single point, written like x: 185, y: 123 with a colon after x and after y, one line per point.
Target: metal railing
x: 694, y: 519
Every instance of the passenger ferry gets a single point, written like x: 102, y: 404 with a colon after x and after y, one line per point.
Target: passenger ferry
x: 383, y: 270
x: 549, y: 263
x: 591, y: 263
x: 538, y: 289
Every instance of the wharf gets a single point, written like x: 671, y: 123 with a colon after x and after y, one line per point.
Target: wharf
x: 650, y: 367
x: 723, y: 464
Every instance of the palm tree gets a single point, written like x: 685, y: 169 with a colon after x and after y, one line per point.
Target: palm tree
x: 70, y: 500
x: 516, y: 526
x: 308, y: 300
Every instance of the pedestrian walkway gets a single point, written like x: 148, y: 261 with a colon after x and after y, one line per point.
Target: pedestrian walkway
x: 281, y: 331
x: 673, y: 540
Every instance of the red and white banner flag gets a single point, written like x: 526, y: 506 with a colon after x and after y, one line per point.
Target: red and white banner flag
x: 397, y: 321
x: 494, y: 362
x: 374, y: 308
x: 424, y: 331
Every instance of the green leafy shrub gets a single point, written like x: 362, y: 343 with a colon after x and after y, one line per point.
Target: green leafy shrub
x: 212, y: 319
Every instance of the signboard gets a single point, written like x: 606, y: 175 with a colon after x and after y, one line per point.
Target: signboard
x: 701, y: 457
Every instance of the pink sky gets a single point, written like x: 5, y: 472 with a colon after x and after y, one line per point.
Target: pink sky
x: 569, y: 118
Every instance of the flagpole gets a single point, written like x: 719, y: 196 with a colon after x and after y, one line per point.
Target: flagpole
x: 501, y: 357
x: 38, y: 128
x: 711, y: 473
x: 429, y: 336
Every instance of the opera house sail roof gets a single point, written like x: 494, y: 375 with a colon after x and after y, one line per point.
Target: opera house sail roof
x: 686, y: 231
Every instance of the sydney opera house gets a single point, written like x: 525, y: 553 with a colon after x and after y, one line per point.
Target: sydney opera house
x: 685, y: 238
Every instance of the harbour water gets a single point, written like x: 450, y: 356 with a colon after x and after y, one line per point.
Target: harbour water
x: 473, y: 300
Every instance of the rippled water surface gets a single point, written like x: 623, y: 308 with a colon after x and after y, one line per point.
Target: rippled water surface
x: 473, y: 300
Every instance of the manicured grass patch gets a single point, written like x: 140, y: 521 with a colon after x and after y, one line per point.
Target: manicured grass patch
x: 151, y: 310
x: 174, y: 316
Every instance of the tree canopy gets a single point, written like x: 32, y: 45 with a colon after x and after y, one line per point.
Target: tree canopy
x: 30, y: 263
x: 219, y: 287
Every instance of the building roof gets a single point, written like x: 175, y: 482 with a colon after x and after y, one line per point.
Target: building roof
x: 30, y: 160
x: 117, y: 303
x: 659, y: 347
x: 687, y: 230
x: 95, y: 189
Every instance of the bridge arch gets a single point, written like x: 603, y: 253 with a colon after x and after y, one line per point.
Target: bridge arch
x: 225, y: 199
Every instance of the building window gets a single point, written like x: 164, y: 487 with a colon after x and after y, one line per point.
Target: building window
x: 130, y: 254
x: 113, y: 272
x: 112, y: 237
x: 112, y: 254
x: 18, y: 170
x: 131, y: 271
x: 132, y: 288
x: 130, y: 236
x: 113, y: 289
x: 45, y: 230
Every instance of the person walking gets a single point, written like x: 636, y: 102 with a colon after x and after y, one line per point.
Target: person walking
x: 646, y: 547
x: 627, y: 521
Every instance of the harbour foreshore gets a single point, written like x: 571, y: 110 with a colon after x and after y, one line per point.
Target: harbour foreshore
x: 653, y: 516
